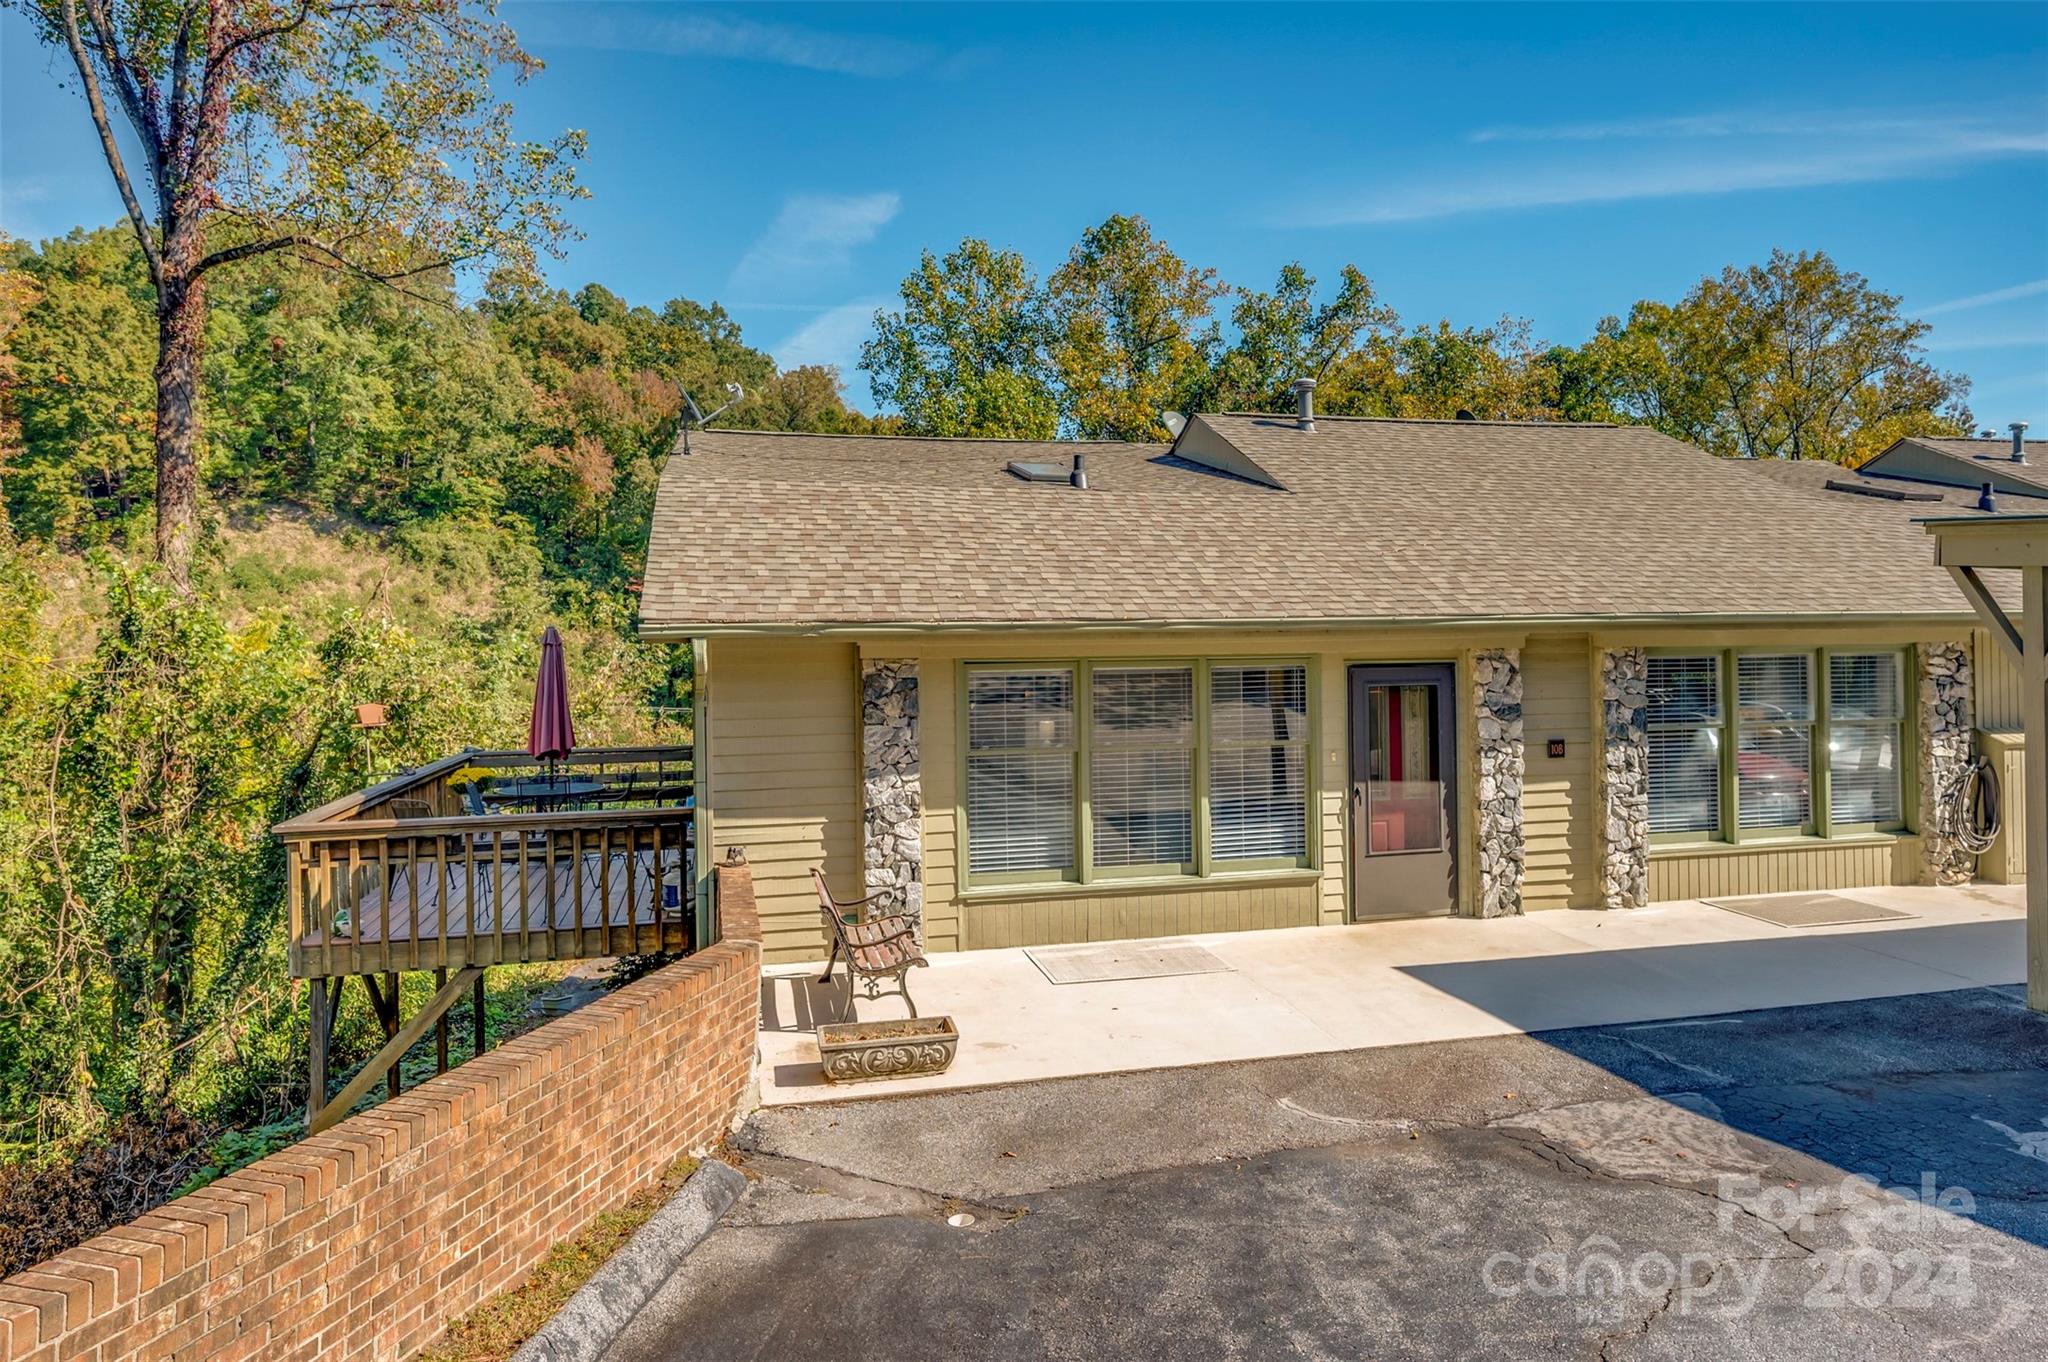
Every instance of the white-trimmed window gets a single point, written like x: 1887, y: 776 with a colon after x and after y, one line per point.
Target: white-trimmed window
x: 1134, y: 769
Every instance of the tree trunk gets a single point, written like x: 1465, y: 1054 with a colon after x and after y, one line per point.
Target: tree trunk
x: 181, y: 335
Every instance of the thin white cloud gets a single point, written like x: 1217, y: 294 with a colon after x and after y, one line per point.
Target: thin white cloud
x: 1664, y: 173
x: 1739, y: 123
x: 833, y: 337
x: 1988, y: 340
x: 707, y: 35
x: 2031, y: 288
x: 2034, y: 382
x: 814, y: 234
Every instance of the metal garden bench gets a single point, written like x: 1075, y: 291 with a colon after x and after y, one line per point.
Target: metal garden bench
x: 876, y: 949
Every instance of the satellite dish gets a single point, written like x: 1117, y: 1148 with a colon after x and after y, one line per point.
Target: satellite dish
x: 1174, y: 422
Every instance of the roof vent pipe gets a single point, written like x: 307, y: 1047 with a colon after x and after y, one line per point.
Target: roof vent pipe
x: 2019, y: 441
x: 1079, y: 477
x: 1986, y: 501
x: 1305, y: 403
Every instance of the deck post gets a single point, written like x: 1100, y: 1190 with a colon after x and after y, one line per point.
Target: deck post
x: 2034, y: 711
x: 321, y: 1017
x: 441, y: 1025
x: 476, y: 1008
x: 390, y: 1023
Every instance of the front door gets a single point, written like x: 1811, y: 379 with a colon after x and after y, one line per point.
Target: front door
x: 1403, y: 791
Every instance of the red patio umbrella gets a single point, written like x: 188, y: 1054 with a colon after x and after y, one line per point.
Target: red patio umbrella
x: 552, y: 735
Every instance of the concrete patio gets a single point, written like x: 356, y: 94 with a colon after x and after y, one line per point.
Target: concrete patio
x: 1311, y: 990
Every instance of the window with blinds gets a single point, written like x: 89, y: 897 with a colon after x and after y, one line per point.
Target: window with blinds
x: 1133, y: 748
x: 1020, y: 771
x: 1866, y: 721
x: 1684, y: 718
x: 1774, y: 740
x: 1258, y: 762
x: 1845, y: 711
x: 1141, y: 788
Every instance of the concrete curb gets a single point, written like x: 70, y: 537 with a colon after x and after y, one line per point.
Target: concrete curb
x: 600, y: 1311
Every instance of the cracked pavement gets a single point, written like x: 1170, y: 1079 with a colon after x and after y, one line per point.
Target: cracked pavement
x: 1670, y: 1190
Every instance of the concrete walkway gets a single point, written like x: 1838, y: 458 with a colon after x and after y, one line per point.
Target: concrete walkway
x: 1312, y: 990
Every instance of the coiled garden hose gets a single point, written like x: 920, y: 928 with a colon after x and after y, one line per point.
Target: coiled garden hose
x: 1970, y: 812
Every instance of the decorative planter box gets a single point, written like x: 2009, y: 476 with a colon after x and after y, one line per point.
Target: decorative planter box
x: 855, y: 1052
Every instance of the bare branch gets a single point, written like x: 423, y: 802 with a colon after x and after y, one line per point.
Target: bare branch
x: 312, y: 250
x: 264, y: 35
x: 142, y: 112
x: 83, y: 61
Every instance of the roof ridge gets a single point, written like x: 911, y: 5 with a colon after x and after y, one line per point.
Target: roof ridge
x: 1432, y: 420
x: 929, y: 439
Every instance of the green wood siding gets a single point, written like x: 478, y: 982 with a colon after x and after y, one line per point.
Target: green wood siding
x: 1782, y: 867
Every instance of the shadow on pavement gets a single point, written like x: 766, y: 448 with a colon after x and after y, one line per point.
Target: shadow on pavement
x: 1950, y: 1085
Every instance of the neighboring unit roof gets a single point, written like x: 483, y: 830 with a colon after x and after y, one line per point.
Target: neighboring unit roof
x: 1909, y: 498
x: 1958, y: 462
x: 1371, y: 521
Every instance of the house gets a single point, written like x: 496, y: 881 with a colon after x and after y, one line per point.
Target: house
x: 1294, y: 670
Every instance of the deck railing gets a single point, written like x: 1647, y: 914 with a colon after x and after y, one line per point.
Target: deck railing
x: 402, y: 876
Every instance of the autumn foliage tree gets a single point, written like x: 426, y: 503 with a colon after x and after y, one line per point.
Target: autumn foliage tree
x: 1794, y: 358
x: 359, y: 135
x: 966, y: 353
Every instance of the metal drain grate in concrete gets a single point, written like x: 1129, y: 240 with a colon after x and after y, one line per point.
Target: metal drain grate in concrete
x: 1095, y: 964
x: 1807, y: 910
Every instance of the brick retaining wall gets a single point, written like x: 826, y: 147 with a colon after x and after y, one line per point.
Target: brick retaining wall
x: 366, y: 1241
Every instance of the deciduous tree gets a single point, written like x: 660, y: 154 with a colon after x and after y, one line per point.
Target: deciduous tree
x: 1131, y: 331
x: 361, y: 135
x: 1795, y: 358
x: 1287, y: 334
x: 965, y: 355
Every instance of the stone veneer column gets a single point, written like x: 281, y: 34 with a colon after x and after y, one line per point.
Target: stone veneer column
x: 1624, y: 778
x: 892, y: 790
x: 1945, y: 742
x: 1497, y: 714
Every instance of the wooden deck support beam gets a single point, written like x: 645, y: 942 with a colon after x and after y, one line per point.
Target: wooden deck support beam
x: 386, y: 1059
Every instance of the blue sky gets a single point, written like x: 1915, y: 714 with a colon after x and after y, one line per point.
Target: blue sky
x: 1555, y: 163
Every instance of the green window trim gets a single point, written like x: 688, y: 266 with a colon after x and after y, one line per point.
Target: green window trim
x: 1205, y: 865
x: 1820, y: 824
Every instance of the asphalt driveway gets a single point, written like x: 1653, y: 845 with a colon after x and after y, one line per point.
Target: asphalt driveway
x: 1677, y: 1189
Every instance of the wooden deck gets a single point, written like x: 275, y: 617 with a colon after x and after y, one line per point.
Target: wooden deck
x: 470, y: 862
x: 401, y: 877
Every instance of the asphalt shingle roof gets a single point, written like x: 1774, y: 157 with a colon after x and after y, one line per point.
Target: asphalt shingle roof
x: 1376, y: 521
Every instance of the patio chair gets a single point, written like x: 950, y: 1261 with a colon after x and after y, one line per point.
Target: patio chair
x: 876, y: 948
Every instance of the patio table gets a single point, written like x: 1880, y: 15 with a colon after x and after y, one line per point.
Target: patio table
x: 544, y: 794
